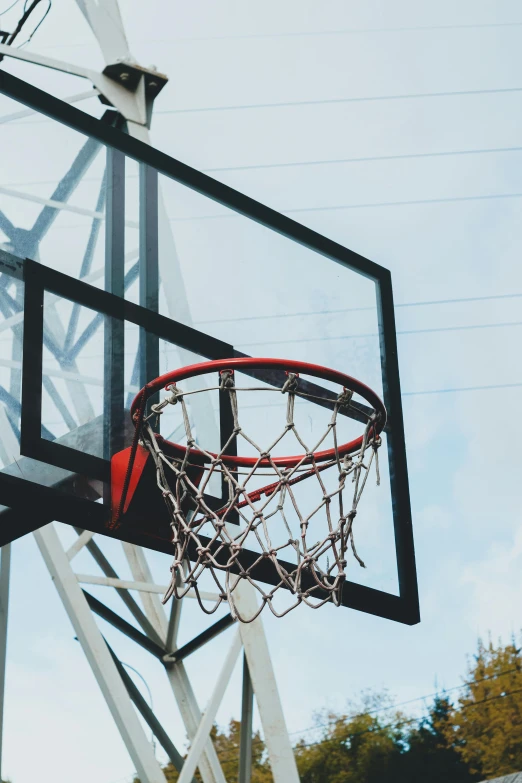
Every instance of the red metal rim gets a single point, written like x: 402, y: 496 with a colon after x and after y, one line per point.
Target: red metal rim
x: 291, y: 365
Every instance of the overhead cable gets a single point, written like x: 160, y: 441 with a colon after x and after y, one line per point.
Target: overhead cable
x: 325, y: 101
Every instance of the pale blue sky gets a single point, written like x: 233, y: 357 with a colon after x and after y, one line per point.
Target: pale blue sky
x: 462, y: 447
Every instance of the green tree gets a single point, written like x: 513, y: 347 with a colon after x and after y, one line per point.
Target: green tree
x: 487, y: 722
x: 433, y: 754
x: 227, y: 745
x: 360, y: 747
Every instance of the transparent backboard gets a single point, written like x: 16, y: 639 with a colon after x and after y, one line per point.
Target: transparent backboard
x: 245, y: 280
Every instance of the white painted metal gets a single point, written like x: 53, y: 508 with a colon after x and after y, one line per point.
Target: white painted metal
x: 9, y: 446
x: 208, y: 762
x: 75, y: 377
x: 106, y: 23
x: 138, y: 745
x: 81, y: 402
x: 48, y: 202
x: 202, y: 734
x: 10, y: 452
x: 209, y: 765
x: 78, y: 545
x: 5, y: 567
x: 62, y: 205
x: 76, y: 98
x: 151, y: 602
x: 142, y: 587
x: 174, y: 621
x: 129, y: 103
x: 8, y: 323
x: 280, y: 753
x: 45, y: 62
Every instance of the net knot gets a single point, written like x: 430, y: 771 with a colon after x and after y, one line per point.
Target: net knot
x: 291, y: 382
x: 227, y: 379
x: 173, y: 399
x: 345, y: 398
x: 347, y: 464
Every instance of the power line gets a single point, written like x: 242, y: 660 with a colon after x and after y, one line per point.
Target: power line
x: 301, y: 163
x: 421, y: 303
x: 5, y: 10
x: 455, y: 390
x: 370, y: 205
x: 395, y: 706
x: 413, y: 202
x: 409, y: 721
x: 367, y: 335
x: 326, y: 101
x: 398, y: 724
x: 379, y: 710
x: 353, y: 31
x: 458, y: 389
x: 366, y: 159
x: 308, y: 34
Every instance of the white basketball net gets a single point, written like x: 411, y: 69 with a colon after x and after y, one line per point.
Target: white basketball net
x: 314, y: 570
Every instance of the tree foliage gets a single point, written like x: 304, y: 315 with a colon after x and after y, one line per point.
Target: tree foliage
x: 377, y: 745
x: 487, y: 722
x: 434, y: 751
x: 357, y: 747
x: 226, y: 744
x: 476, y: 738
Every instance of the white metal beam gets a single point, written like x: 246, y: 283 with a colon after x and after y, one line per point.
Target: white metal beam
x: 46, y: 62
x: 10, y: 451
x: 209, y: 765
x: 130, y: 104
x: 151, y: 602
x: 5, y: 569
x: 75, y: 377
x: 64, y: 206
x: 139, y: 747
x: 20, y: 115
x: 105, y: 21
x: 78, y: 545
x: 201, y: 737
x: 141, y: 587
x: 277, y: 741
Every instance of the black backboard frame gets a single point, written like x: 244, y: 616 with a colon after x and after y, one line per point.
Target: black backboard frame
x: 14, y: 491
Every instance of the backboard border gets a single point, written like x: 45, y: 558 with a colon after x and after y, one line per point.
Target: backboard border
x: 405, y: 607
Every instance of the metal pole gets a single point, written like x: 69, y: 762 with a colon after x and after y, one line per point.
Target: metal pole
x: 98, y: 656
x: 200, y: 739
x: 148, y: 269
x: 157, y: 729
x: 115, y: 284
x: 5, y: 568
x: 209, y: 765
x: 247, y: 710
x: 277, y: 741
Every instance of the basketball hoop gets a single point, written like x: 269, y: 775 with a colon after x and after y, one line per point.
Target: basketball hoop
x: 208, y: 540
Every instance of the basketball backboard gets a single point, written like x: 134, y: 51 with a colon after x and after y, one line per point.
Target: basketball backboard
x: 120, y: 263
